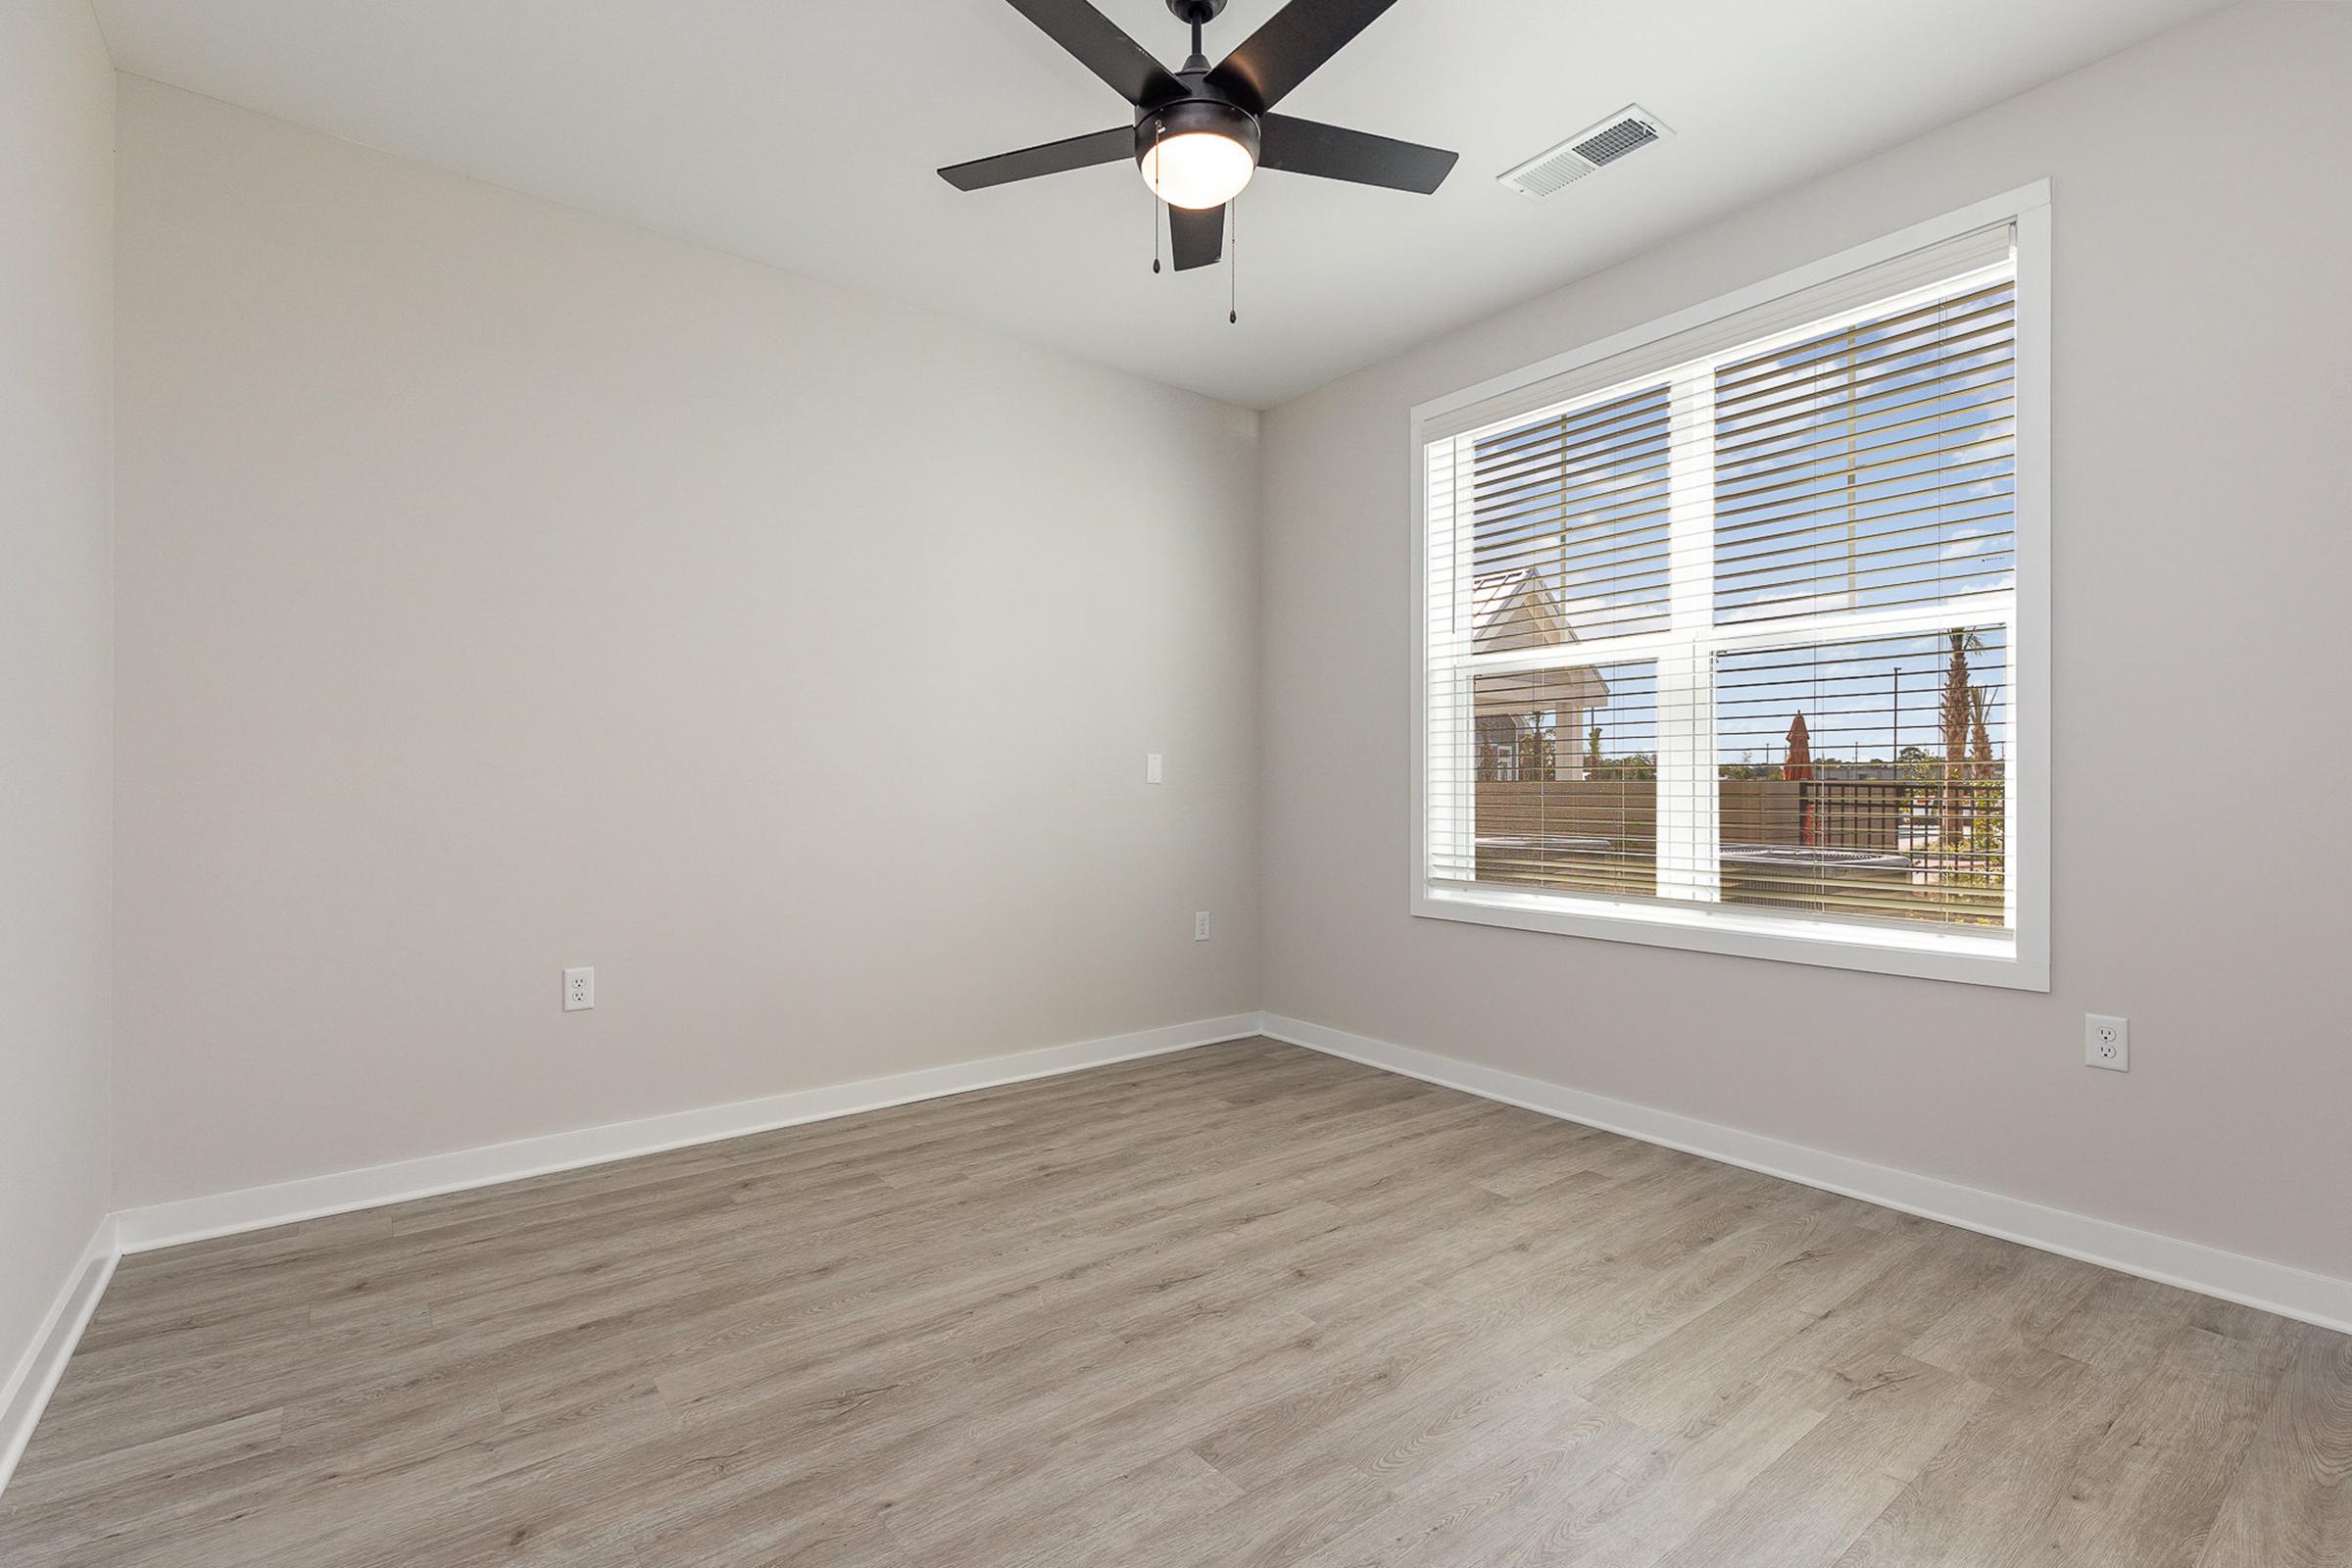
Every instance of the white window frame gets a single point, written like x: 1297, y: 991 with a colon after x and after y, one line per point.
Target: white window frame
x: 2019, y: 960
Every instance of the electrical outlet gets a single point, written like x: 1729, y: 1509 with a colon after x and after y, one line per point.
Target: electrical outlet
x: 579, y: 990
x: 1151, y: 767
x: 1199, y: 925
x: 2106, y: 1041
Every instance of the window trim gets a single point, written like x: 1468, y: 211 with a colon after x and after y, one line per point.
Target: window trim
x: 2021, y: 962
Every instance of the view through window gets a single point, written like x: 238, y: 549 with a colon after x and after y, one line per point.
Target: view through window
x: 1734, y: 634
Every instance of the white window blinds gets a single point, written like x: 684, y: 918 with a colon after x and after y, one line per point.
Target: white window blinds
x: 1720, y: 626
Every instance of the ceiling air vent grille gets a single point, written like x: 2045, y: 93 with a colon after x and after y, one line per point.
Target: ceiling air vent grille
x: 1555, y: 168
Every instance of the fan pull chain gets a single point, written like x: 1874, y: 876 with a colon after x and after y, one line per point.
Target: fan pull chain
x: 1156, y: 203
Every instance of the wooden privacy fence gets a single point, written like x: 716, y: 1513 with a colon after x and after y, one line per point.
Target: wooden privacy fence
x: 1871, y: 847
x: 1615, y: 808
x: 1845, y: 813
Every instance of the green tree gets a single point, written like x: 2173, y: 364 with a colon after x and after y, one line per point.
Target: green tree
x: 1538, y: 751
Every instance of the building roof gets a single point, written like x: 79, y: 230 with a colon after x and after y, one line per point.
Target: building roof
x: 1517, y: 609
x: 1497, y: 596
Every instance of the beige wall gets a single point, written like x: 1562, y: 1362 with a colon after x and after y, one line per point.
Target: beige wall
x: 2203, y: 340
x: 505, y: 587
x: 57, y: 110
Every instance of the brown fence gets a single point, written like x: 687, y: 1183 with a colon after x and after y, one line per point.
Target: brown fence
x: 1579, y: 835
x: 1616, y: 808
x: 1869, y: 847
x: 1856, y: 814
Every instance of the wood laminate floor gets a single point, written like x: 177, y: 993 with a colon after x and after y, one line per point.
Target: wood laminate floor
x: 1244, y: 1304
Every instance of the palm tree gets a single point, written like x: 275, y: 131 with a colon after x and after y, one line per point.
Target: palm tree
x: 1959, y: 711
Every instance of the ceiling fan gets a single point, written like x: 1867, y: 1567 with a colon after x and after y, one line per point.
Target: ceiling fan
x: 1201, y: 132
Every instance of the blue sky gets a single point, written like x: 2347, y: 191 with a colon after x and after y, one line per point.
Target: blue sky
x: 1868, y: 468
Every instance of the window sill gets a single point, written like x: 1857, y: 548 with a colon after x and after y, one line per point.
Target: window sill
x: 1968, y: 959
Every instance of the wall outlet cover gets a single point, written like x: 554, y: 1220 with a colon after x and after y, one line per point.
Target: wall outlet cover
x: 2106, y: 1041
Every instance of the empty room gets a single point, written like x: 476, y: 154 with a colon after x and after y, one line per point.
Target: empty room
x: 1309, y: 783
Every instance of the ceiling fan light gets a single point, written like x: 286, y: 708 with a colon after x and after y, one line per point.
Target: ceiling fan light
x: 1197, y: 153
x: 1197, y: 168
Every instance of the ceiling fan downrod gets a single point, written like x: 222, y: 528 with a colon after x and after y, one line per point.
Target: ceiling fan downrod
x: 1196, y: 14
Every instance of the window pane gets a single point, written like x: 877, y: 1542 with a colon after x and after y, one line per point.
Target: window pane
x: 1871, y: 466
x: 1566, y: 793
x: 1865, y: 778
x: 1569, y: 530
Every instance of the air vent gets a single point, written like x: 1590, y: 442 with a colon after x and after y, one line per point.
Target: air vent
x: 1555, y: 168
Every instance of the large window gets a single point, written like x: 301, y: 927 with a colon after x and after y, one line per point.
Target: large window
x: 1734, y: 629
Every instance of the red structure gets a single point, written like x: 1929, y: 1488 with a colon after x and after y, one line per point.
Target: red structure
x: 1797, y: 768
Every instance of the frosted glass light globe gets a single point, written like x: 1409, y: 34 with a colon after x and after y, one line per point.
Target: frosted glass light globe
x: 1197, y: 170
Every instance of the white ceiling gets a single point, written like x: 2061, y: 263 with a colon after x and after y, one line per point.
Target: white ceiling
x: 805, y: 134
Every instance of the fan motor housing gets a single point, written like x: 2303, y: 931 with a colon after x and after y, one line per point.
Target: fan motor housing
x: 1187, y: 116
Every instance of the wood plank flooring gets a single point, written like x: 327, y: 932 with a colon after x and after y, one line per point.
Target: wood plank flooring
x: 1245, y: 1304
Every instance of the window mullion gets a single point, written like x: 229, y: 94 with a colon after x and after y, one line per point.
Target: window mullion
x: 1688, y: 859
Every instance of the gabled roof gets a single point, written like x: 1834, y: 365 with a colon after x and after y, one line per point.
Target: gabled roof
x: 1517, y: 609
x: 1500, y: 595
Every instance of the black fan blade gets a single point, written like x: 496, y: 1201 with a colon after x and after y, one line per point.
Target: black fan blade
x: 1286, y: 51
x: 1102, y: 48
x: 1196, y: 237
x: 1310, y: 147
x: 1078, y: 152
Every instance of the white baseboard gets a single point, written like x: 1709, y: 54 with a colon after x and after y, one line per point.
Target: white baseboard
x: 194, y: 1219
x: 25, y: 1393
x: 2231, y: 1276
